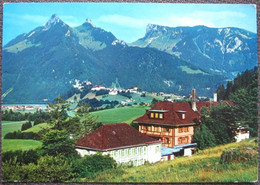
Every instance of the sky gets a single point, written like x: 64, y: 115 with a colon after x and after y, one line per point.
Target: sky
x: 127, y: 21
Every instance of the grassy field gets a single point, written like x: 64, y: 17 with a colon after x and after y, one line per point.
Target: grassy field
x: 11, y: 126
x: 37, y: 128
x: 203, y: 166
x: 19, y: 144
x: 119, y: 115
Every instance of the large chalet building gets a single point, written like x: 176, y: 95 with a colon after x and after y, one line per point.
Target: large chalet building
x: 173, y: 122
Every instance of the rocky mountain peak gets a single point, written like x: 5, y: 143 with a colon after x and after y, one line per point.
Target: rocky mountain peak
x: 52, y: 21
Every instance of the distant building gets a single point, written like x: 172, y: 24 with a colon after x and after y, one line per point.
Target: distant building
x: 98, y: 88
x: 122, y: 142
x: 241, y: 134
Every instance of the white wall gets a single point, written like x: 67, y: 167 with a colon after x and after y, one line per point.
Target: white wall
x: 239, y: 137
x: 135, y: 155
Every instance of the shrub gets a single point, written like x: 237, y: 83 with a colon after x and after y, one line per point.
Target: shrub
x: 48, y: 169
x: 22, y: 157
x: 26, y: 126
x: 96, y: 163
x: 239, y: 155
x: 22, y: 135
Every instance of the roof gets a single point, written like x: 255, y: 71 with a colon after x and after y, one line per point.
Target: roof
x: 199, y: 105
x: 171, y: 117
x: 112, y: 136
x: 172, y: 109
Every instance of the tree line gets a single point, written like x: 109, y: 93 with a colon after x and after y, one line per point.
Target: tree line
x: 218, y: 125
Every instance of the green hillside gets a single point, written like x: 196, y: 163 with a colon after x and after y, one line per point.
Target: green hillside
x: 203, y: 166
x: 11, y: 126
x: 119, y: 115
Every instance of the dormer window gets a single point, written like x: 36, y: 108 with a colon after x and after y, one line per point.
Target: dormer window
x: 181, y: 114
x: 157, y: 114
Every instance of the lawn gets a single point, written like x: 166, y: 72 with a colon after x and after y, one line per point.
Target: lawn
x: 19, y: 144
x: 11, y: 126
x: 119, y: 115
x: 203, y: 166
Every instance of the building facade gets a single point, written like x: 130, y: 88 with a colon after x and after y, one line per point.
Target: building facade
x: 123, y: 143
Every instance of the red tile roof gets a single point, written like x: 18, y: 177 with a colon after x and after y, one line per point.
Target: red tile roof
x: 113, y: 136
x: 199, y: 105
x: 171, y: 117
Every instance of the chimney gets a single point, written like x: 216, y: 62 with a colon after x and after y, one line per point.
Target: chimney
x: 193, y: 100
x: 215, y: 97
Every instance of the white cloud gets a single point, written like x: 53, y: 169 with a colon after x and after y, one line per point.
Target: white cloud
x: 210, y: 19
x: 71, y: 20
x: 123, y: 20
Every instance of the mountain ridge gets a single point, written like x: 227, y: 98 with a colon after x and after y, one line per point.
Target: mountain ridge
x: 44, y: 62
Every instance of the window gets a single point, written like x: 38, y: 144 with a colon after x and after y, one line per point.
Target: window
x: 183, y: 116
x: 166, y: 129
x: 151, y: 115
x: 161, y: 115
x: 152, y: 128
x: 183, y: 140
x: 123, y: 153
x: 160, y: 129
x: 145, y: 150
x: 180, y: 130
x: 167, y: 140
x: 136, y: 151
x: 139, y: 150
x: 156, y: 115
x: 186, y: 129
x: 130, y: 151
x: 126, y: 152
x: 155, y: 128
x: 149, y: 128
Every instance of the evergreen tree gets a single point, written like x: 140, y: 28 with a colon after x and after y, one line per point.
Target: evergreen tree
x: 203, y: 137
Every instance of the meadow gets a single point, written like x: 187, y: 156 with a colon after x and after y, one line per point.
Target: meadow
x: 119, y: 115
x: 116, y: 115
x: 203, y: 166
x: 11, y: 126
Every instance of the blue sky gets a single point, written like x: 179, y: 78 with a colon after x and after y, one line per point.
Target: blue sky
x: 127, y: 21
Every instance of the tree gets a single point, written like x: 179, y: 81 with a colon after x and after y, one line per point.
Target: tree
x: 245, y: 109
x: 203, y: 137
x: 221, y: 122
x: 26, y: 126
x: 58, y: 113
x: 58, y: 142
x: 86, y: 122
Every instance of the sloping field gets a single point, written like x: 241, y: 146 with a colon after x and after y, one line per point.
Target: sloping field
x: 11, y: 126
x: 119, y: 115
x: 203, y: 166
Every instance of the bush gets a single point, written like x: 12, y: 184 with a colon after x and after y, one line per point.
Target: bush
x: 96, y: 163
x: 26, y: 126
x: 249, y: 155
x: 48, y: 169
x: 22, y: 157
x: 22, y: 135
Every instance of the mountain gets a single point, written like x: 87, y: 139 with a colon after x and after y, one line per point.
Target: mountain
x: 225, y: 51
x: 46, y: 62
